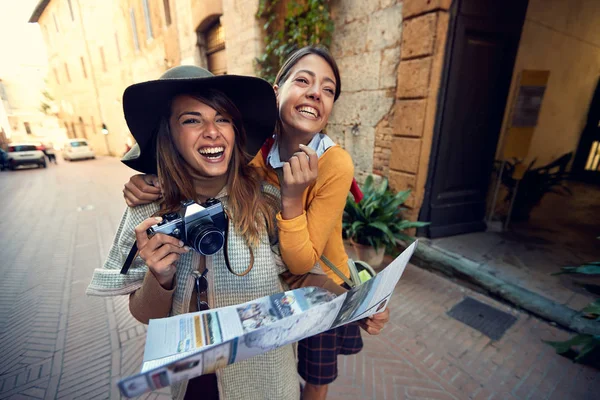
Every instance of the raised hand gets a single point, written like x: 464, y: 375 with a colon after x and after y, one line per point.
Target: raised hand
x: 299, y: 172
x: 160, y: 252
x: 142, y: 189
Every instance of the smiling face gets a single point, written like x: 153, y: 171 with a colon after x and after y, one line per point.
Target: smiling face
x: 204, y: 137
x: 306, y: 97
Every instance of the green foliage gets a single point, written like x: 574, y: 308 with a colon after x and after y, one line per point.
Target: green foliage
x: 580, y: 346
x: 377, y: 220
x: 592, y: 268
x: 583, y: 342
x: 47, y: 103
x: 592, y: 310
x: 536, y: 182
x: 305, y: 23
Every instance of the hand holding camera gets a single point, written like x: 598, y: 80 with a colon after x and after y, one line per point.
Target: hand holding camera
x: 161, y: 240
x: 160, y: 252
x: 199, y: 226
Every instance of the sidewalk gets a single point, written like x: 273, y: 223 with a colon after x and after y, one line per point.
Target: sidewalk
x: 57, y: 343
x: 425, y: 354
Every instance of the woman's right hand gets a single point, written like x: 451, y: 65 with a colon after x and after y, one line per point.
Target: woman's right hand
x: 160, y: 252
x: 142, y: 189
x: 299, y: 172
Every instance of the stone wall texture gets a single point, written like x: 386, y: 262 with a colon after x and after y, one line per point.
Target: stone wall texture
x: 366, y: 45
x: 389, y: 52
x: 413, y: 113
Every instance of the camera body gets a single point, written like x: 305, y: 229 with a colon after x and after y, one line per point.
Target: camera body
x: 200, y: 226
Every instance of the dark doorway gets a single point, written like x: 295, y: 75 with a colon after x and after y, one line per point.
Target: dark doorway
x: 483, y: 39
x: 586, y: 166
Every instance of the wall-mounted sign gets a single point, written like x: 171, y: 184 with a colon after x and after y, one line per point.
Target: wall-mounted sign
x: 525, y: 113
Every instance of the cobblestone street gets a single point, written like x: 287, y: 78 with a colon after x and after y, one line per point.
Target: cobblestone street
x: 56, y: 227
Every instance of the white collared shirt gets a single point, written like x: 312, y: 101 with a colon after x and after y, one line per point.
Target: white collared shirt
x: 319, y: 143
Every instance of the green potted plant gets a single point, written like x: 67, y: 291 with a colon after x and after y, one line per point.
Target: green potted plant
x: 375, y: 224
x: 583, y: 347
x: 534, y: 185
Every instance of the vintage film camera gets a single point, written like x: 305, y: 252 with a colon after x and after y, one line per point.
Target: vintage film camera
x: 200, y: 226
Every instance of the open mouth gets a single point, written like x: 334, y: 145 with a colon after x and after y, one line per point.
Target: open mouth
x: 212, y: 153
x: 308, y: 111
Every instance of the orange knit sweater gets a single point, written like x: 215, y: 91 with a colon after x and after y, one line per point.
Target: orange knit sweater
x: 318, y: 230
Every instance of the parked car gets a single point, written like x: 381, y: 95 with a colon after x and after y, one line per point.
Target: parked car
x: 26, y: 154
x: 77, y: 149
x: 3, y: 160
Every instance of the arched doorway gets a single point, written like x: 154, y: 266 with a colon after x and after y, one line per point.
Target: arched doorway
x: 211, y: 46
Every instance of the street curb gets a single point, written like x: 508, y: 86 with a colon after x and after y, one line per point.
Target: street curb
x: 432, y: 258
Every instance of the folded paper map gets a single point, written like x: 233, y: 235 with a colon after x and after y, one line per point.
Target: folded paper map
x: 189, y: 345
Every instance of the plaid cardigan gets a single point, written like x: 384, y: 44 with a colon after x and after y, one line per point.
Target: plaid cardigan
x: 272, y: 375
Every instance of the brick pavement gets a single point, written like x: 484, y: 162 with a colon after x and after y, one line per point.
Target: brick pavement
x: 56, y: 343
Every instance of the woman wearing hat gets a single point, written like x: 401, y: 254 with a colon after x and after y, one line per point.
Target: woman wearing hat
x: 310, y: 222
x: 196, y: 131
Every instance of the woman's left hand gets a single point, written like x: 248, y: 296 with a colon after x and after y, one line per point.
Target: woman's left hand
x: 374, y: 324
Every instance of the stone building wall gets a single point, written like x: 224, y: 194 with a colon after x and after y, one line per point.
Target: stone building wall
x: 366, y: 45
x: 389, y: 52
x: 70, y: 71
x: 412, y: 119
x: 243, y: 35
x: 102, y: 60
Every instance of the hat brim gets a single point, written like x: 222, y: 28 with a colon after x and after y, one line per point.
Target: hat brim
x: 144, y: 104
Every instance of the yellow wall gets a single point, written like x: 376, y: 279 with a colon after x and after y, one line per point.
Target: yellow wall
x: 562, y: 36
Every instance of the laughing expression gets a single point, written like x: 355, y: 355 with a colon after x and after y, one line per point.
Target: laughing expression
x: 204, y: 138
x: 306, y: 97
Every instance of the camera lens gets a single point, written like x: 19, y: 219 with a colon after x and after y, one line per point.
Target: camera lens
x: 206, y: 238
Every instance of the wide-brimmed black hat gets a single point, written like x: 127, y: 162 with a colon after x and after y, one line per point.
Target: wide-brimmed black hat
x: 145, y: 103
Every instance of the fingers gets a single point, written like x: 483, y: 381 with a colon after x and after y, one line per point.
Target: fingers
x: 152, y: 180
x: 160, y: 252
x: 141, y: 237
x: 146, y: 183
x: 383, y: 316
x: 287, y: 172
x: 313, y: 158
x: 141, y: 189
x: 163, y: 258
x: 160, y: 248
x: 133, y: 197
x: 304, y: 164
x: 374, y: 324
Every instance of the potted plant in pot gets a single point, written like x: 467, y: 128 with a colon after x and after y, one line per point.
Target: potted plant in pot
x: 375, y: 224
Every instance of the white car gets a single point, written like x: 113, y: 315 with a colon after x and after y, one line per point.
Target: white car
x: 77, y: 149
x: 25, y: 154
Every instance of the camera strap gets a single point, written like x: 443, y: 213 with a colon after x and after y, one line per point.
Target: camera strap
x: 226, y: 253
x: 129, y: 260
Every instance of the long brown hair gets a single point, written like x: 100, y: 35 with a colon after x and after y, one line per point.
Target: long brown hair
x: 250, y: 209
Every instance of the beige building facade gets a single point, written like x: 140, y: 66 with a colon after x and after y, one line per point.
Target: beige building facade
x: 394, y: 114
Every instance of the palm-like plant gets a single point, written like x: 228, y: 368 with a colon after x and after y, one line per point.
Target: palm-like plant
x: 534, y: 185
x: 377, y: 220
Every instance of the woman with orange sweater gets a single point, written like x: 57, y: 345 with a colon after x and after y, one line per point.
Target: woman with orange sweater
x: 315, y: 176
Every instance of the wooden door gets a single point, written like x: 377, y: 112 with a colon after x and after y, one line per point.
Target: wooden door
x: 483, y: 39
